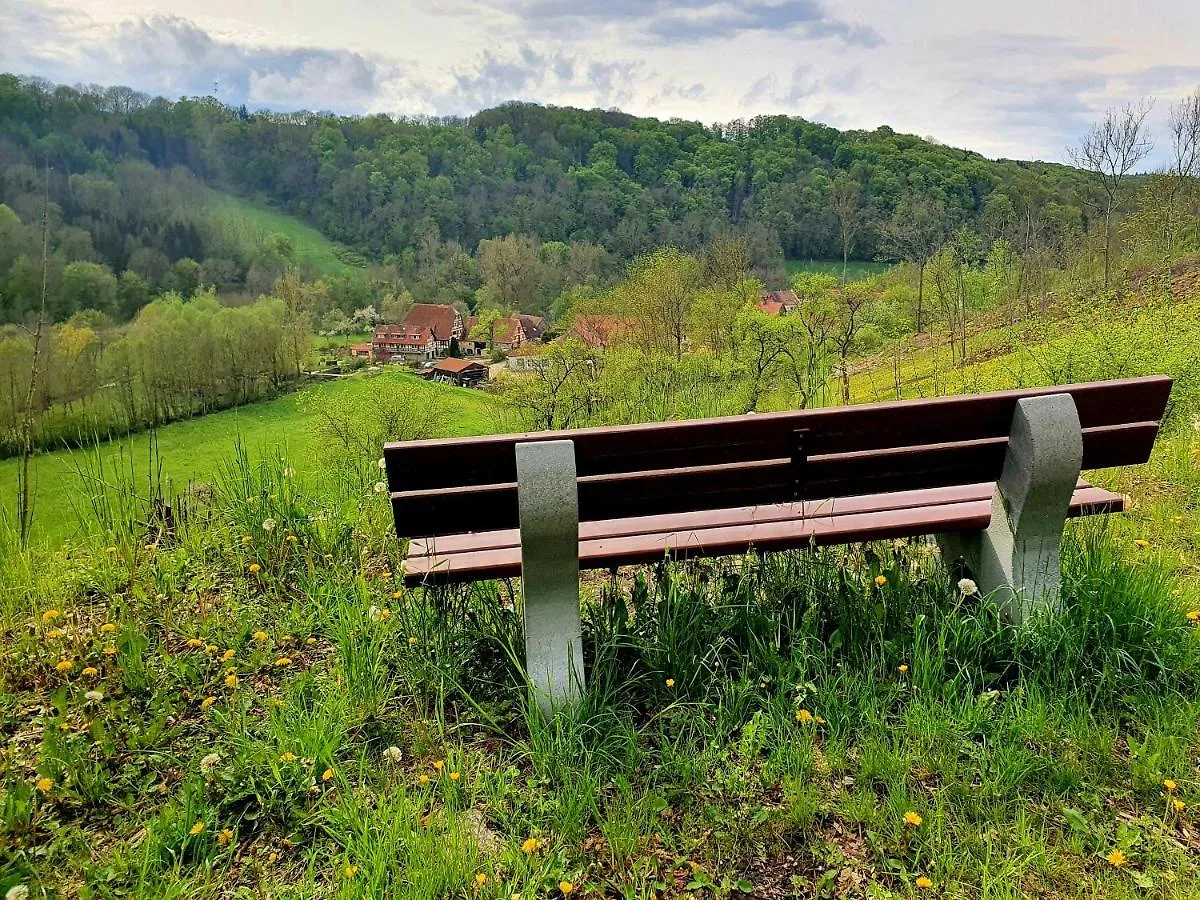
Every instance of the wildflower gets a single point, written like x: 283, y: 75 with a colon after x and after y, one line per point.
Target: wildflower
x: 380, y: 487
x: 94, y: 695
x: 382, y: 463
x: 913, y: 819
x: 881, y: 580
x: 393, y: 754
x: 50, y: 615
x: 924, y: 883
x: 90, y: 672
x: 1177, y: 805
x: 207, y: 702
x: 259, y: 636
x: 110, y: 651
x: 803, y: 716
x: 228, y: 655
x: 55, y: 633
x: 210, y: 648
x: 903, y: 670
x: 670, y: 682
x: 350, y: 871
x: 17, y: 892
x: 268, y: 525
x: 327, y: 774
x: 423, y: 779
x: 1141, y: 543
x: 454, y: 776
x: 967, y: 587
x: 818, y: 720
x: 108, y: 628
x: 208, y: 763
x: 310, y: 641
x: 1177, y: 592
x: 291, y: 539
x: 44, y: 784
x: 1169, y: 786
x: 397, y: 595
x: 439, y: 764
x: 287, y: 757
x: 150, y: 548
x: 566, y: 887
x: 1117, y: 858
x: 1194, y: 616
x: 481, y: 878
x: 195, y: 643
x: 283, y: 661
x: 231, y: 681
x: 64, y: 666
x: 224, y: 837
x: 530, y: 845
x: 197, y: 828
x: 412, y: 641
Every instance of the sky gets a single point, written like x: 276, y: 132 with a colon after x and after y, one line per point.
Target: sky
x: 1021, y: 79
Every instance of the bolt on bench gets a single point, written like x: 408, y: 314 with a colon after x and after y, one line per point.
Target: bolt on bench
x: 993, y: 476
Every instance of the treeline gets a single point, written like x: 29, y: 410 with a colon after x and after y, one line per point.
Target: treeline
x: 174, y: 360
x: 421, y: 195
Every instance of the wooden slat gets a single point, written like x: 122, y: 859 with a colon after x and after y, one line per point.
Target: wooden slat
x: 422, y: 465
x: 623, y: 547
x: 687, y: 489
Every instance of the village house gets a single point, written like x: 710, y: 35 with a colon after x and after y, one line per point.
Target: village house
x: 778, y: 303
x: 361, y: 351
x: 403, y: 343
x: 444, y: 322
x: 528, y: 357
x: 598, y: 331
x: 463, y: 372
x: 505, y: 335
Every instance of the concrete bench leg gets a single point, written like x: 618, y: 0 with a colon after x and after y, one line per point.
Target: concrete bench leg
x: 1016, y: 559
x: 549, y: 515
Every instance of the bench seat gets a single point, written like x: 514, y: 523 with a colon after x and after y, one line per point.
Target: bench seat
x: 779, y: 526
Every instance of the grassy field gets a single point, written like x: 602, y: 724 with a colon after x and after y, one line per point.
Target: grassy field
x: 192, y: 452
x: 856, y: 270
x: 254, y: 222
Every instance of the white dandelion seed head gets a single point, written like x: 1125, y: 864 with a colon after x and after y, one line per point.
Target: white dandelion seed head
x: 268, y: 525
x: 393, y: 754
x: 17, y: 892
x: 210, y: 762
x: 967, y: 587
x: 380, y: 487
x: 382, y: 463
x: 94, y: 695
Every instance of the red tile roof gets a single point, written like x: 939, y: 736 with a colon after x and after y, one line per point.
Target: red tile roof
x: 455, y: 366
x: 771, y: 309
x: 599, y: 330
x: 403, y: 335
x: 437, y: 317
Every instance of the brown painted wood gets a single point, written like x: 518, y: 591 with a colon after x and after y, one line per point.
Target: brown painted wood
x: 492, y: 507
x: 730, y: 536
x: 426, y: 465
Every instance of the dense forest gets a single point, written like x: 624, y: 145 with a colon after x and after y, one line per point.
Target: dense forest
x: 575, y: 193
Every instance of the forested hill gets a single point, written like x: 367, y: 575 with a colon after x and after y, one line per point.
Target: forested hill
x: 125, y: 168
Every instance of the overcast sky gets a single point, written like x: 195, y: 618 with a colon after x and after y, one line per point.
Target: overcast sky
x: 1020, y: 78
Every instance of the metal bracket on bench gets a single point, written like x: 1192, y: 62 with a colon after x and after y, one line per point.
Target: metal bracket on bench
x: 799, y: 463
x: 548, y: 500
x: 1016, y: 558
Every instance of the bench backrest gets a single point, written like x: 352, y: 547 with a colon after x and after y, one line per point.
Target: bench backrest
x: 459, y: 485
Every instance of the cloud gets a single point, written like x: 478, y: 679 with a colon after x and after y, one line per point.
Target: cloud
x: 678, y: 22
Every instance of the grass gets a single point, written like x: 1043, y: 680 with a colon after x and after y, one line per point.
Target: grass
x: 856, y: 270
x: 254, y: 222
x: 192, y: 451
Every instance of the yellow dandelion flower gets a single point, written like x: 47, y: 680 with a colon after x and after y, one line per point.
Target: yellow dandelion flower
x: 1194, y: 615
x: 90, y: 671
x: 44, y: 784
x: 924, y: 883
x: 350, y: 871
x: 481, y: 878
x: 818, y: 720
x: 259, y: 636
x: 670, y: 682
x: 803, y: 716
x: 1177, y: 805
x: 110, y: 549
x: 327, y: 774
x: 311, y: 641
x: 385, y: 574
x: 224, y: 837
x: 211, y: 648
x: 412, y: 641
x: 1169, y: 786
x: 255, y: 568
x: 566, y: 887
x: 283, y: 661
x: 110, y: 651
x: 50, y: 615
x: 903, y: 670
x: 231, y: 681
x: 913, y: 819
x: 195, y: 643
x: 397, y: 595
x: 291, y: 539
x: 439, y: 764
x: 881, y: 580
x: 1141, y: 543
x: 108, y: 628
x: 207, y: 702
x: 454, y: 776
x: 287, y: 757
x: 423, y: 779
x: 1117, y: 858
x: 55, y: 633
x: 530, y: 845
x: 228, y: 655
x: 64, y: 666
x: 197, y: 828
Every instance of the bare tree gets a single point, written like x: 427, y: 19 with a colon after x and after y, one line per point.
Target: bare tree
x: 1111, y: 149
x: 845, y: 200
x: 914, y: 233
x: 1183, y: 122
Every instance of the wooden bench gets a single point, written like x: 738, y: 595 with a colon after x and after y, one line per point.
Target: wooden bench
x: 993, y: 476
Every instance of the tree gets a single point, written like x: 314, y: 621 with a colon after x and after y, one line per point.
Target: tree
x: 657, y: 298
x: 914, y: 233
x: 509, y: 268
x: 845, y: 201
x: 86, y: 286
x: 1111, y: 150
